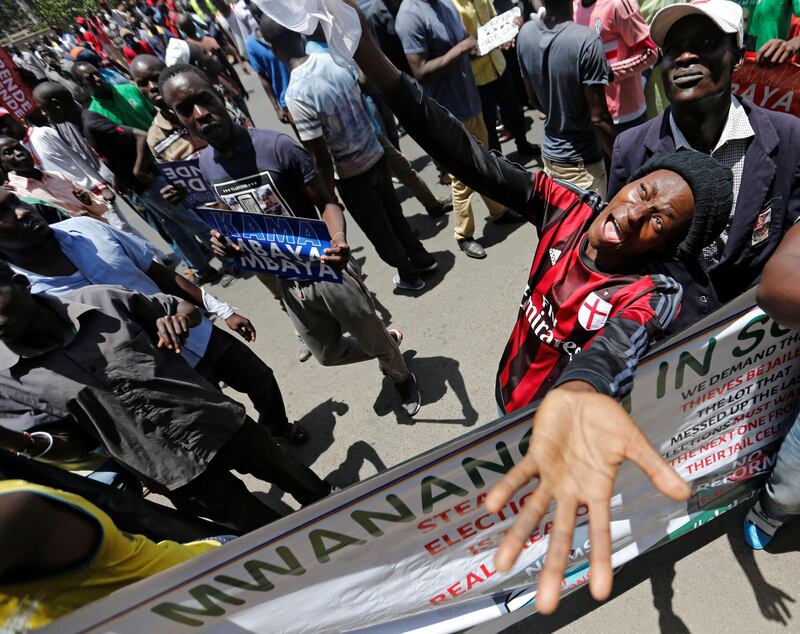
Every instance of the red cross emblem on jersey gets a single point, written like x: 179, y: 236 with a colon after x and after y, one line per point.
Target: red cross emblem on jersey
x: 593, y: 312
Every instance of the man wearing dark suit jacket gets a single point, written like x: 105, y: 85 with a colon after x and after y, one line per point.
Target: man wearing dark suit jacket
x: 702, y: 44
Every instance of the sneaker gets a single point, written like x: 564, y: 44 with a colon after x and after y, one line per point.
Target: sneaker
x: 408, y: 285
x: 395, y: 180
x: 759, y: 528
x: 208, y: 276
x: 472, y: 248
x: 411, y: 399
x: 445, y: 178
x: 440, y: 208
x: 509, y: 218
x: 397, y: 335
x: 303, y: 353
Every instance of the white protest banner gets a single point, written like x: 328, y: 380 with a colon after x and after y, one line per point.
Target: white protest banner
x: 285, y: 246
x: 497, y: 31
x: 187, y: 176
x: 411, y: 549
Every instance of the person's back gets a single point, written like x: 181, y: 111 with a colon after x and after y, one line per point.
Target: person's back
x: 559, y: 62
x: 620, y: 25
x: 325, y: 99
x: 111, y: 560
x: 125, y: 107
x: 432, y: 29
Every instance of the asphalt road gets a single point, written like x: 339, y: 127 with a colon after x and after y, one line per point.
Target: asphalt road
x: 455, y: 331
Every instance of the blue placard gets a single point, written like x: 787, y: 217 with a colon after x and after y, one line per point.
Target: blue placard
x: 285, y: 246
x: 187, y: 175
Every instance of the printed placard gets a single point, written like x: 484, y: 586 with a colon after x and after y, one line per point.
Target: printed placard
x: 497, y: 31
x: 285, y: 246
x: 187, y: 175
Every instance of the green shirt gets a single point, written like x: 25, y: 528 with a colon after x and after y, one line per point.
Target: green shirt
x: 769, y: 19
x: 125, y: 107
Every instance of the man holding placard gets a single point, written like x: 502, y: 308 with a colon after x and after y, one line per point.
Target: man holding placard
x: 267, y: 171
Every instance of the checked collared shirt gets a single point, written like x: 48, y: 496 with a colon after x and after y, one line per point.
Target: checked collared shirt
x: 729, y: 151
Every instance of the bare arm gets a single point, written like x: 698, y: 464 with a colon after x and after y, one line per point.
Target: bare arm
x: 40, y: 536
x: 339, y: 253
x: 144, y: 158
x: 283, y: 115
x: 171, y: 283
x: 66, y: 447
x: 532, y: 98
x: 778, y: 292
x: 427, y: 69
x: 322, y: 157
x: 602, y: 122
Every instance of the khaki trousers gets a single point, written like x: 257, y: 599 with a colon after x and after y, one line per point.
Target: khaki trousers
x: 462, y: 195
x: 591, y: 176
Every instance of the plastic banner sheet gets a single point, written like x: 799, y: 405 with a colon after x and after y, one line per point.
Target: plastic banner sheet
x: 411, y: 549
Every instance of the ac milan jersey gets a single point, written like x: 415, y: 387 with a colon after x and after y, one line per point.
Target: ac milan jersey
x: 571, y: 313
x: 574, y: 322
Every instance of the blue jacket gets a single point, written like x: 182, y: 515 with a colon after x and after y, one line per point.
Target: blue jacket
x: 770, y: 189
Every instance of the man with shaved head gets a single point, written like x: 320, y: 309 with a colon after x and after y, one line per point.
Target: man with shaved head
x: 167, y: 138
x: 121, y: 103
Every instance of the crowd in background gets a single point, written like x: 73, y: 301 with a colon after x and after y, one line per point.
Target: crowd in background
x: 661, y: 197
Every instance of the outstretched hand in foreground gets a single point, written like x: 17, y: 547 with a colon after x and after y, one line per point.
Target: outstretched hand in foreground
x: 580, y: 439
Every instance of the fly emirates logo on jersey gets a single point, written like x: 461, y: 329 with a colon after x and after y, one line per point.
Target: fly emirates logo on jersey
x: 543, y: 323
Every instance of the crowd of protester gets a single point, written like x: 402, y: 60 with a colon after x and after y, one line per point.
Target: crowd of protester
x: 661, y: 197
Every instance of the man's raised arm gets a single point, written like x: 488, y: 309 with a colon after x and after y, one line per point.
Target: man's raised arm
x: 439, y: 133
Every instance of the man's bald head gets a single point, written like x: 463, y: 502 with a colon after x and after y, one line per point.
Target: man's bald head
x: 145, y: 70
x: 284, y: 43
x: 56, y: 102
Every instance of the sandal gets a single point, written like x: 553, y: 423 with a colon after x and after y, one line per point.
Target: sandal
x: 291, y: 433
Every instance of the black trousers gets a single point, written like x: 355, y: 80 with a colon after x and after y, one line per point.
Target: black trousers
x: 231, y: 361
x: 371, y: 200
x: 501, y: 92
x: 222, y: 497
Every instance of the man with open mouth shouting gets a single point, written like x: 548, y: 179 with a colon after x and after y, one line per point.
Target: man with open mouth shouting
x: 589, y: 291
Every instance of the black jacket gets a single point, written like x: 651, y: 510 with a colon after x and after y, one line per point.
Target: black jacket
x: 770, y: 183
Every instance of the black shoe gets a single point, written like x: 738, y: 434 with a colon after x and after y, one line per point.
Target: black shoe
x: 207, y: 276
x: 440, y: 208
x: 509, y: 218
x: 429, y: 268
x: 410, y: 398
x: 472, y: 248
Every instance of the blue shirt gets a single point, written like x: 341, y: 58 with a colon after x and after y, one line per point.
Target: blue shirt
x: 264, y: 62
x: 104, y: 255
x: 431, y: 29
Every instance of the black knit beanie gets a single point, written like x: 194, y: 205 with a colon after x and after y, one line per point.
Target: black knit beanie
x: 712, y: 186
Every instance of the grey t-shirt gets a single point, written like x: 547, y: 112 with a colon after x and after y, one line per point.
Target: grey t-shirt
x: 559, y: 62
x: 432, y: 29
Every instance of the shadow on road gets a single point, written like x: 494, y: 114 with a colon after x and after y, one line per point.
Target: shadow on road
x: 434, y: 375
x: 319, y: 423
x: 495, y: 234
x: 347, y: 472
x: 446, y: 261
x: 658, y: 567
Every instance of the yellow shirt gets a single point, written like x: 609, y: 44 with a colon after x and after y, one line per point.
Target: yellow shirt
x: 475, y: 13
x: 119, y: 559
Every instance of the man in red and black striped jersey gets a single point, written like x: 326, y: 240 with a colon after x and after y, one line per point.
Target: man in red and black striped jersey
x: 589, y: 292
x: 590, y: 310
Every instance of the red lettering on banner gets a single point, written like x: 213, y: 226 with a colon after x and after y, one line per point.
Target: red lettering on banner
x: 772, y: 87
x: 473, y: 578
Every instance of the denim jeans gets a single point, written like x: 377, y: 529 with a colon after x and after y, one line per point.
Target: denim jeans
x: 781, y: 497
x: 185, y: 228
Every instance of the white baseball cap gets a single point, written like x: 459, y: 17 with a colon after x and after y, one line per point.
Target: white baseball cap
x: 725, y: 14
